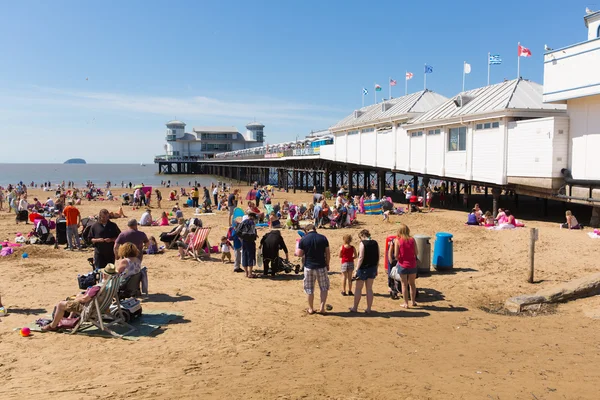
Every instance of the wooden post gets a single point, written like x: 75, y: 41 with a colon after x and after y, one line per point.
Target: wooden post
x: 533, y: 236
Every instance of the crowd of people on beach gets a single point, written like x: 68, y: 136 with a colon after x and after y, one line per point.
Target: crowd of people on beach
x: 117, y: 252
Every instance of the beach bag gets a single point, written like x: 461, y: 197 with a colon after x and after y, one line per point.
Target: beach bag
x: 395, y: 273
x: 68, y: 323
x: 87, y: 280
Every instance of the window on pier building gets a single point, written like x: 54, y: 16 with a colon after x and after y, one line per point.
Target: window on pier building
x: 434, y: 131
x: 416, y: 134
x: 353, y: 132
x: 487, y: 125
x: 457, y: 139
x: 367, y: 130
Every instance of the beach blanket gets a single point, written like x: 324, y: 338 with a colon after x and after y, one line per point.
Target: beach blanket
x: 593, y: 235
x: 373, y: 207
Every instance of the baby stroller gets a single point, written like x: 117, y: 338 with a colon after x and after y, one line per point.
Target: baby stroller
x: 126, y: 199
x: 282, y: 265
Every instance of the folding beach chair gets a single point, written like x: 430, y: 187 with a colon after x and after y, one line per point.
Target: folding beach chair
x: 100, y: 305
x: 200, y: 241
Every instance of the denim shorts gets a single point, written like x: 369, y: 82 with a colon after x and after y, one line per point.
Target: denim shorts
x: 362, y: 274
x: 408, y: 271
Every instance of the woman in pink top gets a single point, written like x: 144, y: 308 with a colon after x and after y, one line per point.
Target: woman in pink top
x: 406, y: 254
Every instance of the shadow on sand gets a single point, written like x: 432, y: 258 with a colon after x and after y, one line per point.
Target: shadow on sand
x: 166, y: 298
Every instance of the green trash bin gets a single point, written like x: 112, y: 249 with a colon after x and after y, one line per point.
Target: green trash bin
x: 423, y: 253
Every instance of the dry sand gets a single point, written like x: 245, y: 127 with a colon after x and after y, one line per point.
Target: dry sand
x: 243, y: 338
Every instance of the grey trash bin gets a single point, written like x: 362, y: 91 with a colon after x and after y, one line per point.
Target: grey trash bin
x: 424, y: 253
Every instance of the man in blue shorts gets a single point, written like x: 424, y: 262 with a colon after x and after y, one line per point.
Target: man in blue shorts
x: 314, y: 250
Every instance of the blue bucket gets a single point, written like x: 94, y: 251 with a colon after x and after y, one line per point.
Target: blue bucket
x: 443, y: 251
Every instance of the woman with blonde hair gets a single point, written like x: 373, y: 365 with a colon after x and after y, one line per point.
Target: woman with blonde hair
x: 128, y: 262
x: 406, y: 254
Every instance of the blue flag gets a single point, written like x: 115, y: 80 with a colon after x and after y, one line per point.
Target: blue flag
x: 428, y: 69
x: 495, y: 59
x: 365, y: 92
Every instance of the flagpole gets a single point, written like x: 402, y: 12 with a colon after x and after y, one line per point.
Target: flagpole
x: 375, y: 92
x: 425, y: 77
x: 362, y: 92
x: 406, y: 83
x: 390, y: 86
x: 488, y: 68
x: 518, y: 61
x: 464, y: 64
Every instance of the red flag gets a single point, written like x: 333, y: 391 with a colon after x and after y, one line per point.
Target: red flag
x: 524, y: 51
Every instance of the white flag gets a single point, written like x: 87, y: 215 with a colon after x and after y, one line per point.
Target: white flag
x: 467, y: 68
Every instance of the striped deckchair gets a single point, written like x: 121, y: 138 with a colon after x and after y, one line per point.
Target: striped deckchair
x: 99, y: 306
x: 200, y: 241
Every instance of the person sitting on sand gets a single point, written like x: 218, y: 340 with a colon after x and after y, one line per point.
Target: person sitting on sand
x: 152, y: 247
x: 501, y: 216
x: 146, y: 219
x: 488, y: 219
x: 571, y: 221
x: 274, y: 221
x: 252, y: 208
x: 163, y: 220
x: 478, y: 212
x: 76, y: 305
x: 473, y: 219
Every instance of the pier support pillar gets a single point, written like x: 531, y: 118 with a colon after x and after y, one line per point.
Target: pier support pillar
x: 545, y: 207
x: 395, y: 183
x: 326, y: 180
x: 350, y: 183
x: 595, y: 219
x: 485, y: 195
x: 496, y: 195
x: 295, y: 179
x: 366, y: 181
x: 380, y: 184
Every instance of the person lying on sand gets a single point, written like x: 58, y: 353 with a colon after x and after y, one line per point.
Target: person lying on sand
x: 118, y: 214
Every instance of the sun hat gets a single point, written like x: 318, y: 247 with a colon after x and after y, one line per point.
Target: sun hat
x: 110, y: 269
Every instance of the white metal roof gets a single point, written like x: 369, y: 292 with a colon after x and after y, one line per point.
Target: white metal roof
x: 518, y: 94
x: 397, y: 108
x: 175, y: 122
x: 255, y: 124
x: 215, y: 129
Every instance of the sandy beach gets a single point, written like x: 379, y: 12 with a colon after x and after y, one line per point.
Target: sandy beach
x: 250, y: 338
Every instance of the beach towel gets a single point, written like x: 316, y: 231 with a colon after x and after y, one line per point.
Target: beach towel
x: 373, y: 207
x: 594, y: 235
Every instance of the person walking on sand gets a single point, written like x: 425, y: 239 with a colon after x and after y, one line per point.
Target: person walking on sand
x: 348, y: 255
x: 314, y: 250
x: 406, y: 254
x: 368, y: 261
x: 158, y: 197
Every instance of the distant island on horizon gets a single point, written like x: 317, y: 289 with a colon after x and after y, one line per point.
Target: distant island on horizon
x: 75, y: 161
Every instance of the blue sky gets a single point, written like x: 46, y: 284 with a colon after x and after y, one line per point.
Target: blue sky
x: 98, y: 80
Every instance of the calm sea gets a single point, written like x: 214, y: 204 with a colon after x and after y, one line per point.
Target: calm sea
x: 97, y: 173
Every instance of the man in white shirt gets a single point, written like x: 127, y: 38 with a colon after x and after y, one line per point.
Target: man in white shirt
x: 146, y: 219
x: 50, y: 202
x: 215, y: 194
